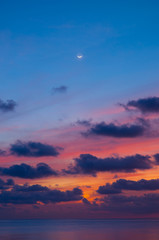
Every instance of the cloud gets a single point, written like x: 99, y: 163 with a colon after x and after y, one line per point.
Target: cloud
x: 120, y: 204
x: 145, y: 105
x: 7, y: 106
x: 117, y: 131
x: 26, y: 171
x: 85, y: 201
x: 32, y: 188
x: 36, y: 193
x: 108, y: 189
x: 33, y: 149
x: 2, y: 152
x: 61, y: 89
x: 89, y: 164
x: 123, y: 184
x: 85, y: 123
x: 156, y: 156
x: 7, y: 184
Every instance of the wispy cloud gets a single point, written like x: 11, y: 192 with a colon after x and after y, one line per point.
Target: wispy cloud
x: 60, y: 89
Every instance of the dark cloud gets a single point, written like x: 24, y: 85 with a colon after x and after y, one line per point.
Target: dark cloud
x: 118, y: 131
x: 89, y: 164
x: 61, y: 89
x: 33, y: 149
x: 120, y: 204
x: 7, y: 106
x: 156, y: 156
x: 36, y: 193
x: 123, y: 184
x: 32, y: 188
x: 145, y: 105
x: 108, y: 189
x: 7, y: 184
x: 85, y: 201
x: 26, y: 171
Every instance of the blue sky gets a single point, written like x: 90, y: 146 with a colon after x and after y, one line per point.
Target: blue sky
x: 39, y: 44
x: 53, y: 89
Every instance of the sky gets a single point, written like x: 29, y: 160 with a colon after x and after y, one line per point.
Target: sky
x: 79, y: 109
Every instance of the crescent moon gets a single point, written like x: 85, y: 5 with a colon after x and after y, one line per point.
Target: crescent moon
x: 79, y: 56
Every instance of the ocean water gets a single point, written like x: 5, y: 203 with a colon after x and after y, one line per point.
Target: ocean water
x: 79, y: 230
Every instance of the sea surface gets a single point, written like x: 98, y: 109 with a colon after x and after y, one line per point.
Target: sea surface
x: 79, y: 230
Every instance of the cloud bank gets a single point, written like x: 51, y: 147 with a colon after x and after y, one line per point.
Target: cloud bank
x: 89, y: 164
x: 123, y: 184
x: 38, y: 194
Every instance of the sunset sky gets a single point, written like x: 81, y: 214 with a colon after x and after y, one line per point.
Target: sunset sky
x: 79, y: 109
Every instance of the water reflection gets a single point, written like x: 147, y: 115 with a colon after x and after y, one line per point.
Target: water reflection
x: 79, y: 229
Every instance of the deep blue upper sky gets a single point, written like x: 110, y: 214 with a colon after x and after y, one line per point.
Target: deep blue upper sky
x: 39, y: 41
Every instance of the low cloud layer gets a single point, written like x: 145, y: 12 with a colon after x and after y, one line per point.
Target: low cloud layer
x: 7, y: 184
x: 120, y: 204
x: 33, y: 149
x: 123, y: 184
x: 26, y: 171
x: 36, y: 193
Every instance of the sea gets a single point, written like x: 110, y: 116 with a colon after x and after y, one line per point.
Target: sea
x: 79, y: 230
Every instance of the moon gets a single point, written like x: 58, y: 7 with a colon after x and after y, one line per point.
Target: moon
x: 79, y: 56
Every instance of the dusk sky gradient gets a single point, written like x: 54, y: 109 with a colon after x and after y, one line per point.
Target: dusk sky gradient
x: 79, y: 109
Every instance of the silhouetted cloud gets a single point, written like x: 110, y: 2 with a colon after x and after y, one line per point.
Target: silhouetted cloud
x: 89, y: 164
x: 120, y: 204
x: 33, y: 149
x: 108, y: 189
x: 7, y: 106
x: 145, y: 105
x: 61, y: 89
x: 34, y: 194
x: 123, y: 184
x: 7, y: 184
x: 30, y: 188
x: 85, y: 201
x: 26, y: 171
x: 118, y: 131
x: 156, y: 156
